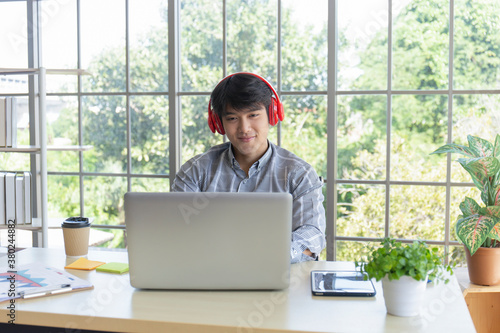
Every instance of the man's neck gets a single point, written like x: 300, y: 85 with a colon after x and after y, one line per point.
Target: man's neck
x: 246, y: 161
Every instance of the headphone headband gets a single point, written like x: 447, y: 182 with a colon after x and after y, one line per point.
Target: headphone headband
x: 275, y: 108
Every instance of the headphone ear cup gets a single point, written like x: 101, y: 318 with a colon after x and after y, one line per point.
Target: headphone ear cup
x: 218, y: 124
x: 214, y: 122
x: 273, y: 112
x: 281, y: 112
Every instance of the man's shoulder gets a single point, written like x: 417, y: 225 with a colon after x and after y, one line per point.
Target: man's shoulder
x: 213, y: 153
x: 288, y: 158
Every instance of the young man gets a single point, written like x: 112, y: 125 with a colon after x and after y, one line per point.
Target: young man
x: 242, y: 107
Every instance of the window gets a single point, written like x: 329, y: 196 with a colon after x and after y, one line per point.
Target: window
x: 370, y: 89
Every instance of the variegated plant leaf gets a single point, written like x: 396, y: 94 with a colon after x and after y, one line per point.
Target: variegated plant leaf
x: 496, y: 195
x: 480, y: 169
x: 474, y: 229
x: 469, y: 207
x: 490, y: 211
x: 485, y: 194
x: 495, y: 232
x: 457, y: 149
x: 496, y: 148
x: 485, y: 148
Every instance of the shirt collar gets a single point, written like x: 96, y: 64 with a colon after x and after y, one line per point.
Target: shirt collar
x: 261, y: 162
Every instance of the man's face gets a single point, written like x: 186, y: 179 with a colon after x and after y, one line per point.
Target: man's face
x: 247, y: 130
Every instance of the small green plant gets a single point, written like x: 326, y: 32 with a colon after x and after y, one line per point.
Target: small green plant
x: 394, y: 259
x: 479, y: 226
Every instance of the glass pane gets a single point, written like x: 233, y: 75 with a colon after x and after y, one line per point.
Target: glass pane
x: 13, y: 35
x: 477, y: 115
x: 23, y: 121
x: 105, y: 128
x: 110, y: 238
x: 417, y: 212
x: 63, y: 194
x: 149, y: 118
x: 201, y: 44
x: 62, y: 130
x: 361, y: 210
x: 352, y: 251
x: 457, y: 256
x: 419, y: 126
x: 13, y: 45
x: 59, y: 43
x: 103, y: 44
x: 148, y: 29
x: 476, y: 40
x: 304, y: 49
x: 458, y: 195
x: 361, y: 136
x: 420, y: 45
x: 196, y: 135
x: 362, y: 44
x: 14, y: 162
x: 304, y: 129
x: 104, y: 199
x: 150, y: 185
x: 251, y: 37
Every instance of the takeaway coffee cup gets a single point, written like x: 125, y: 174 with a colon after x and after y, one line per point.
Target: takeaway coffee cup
x: 76, y: 236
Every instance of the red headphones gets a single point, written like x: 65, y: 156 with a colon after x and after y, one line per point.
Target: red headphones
x: 275, y: 108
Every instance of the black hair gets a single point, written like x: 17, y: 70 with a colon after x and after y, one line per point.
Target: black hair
x: 241, y: 92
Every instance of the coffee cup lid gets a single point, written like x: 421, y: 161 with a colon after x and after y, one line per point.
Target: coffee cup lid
x: 76, y: 222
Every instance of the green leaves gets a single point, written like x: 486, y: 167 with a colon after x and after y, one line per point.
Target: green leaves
x: 479, y: 226
x: 458, y: 149
x: 480, y: 169
x: 469, y: 207
x: 394, y: 260
x: 482, y: 146
x: 473, y: 230
x: 477, y: 148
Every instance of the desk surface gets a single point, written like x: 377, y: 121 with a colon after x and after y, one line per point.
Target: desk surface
x: 115, y: 306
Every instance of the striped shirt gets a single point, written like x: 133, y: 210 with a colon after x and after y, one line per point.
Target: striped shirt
x: 278, y: 170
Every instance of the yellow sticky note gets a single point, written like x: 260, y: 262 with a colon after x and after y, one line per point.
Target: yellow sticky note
x: 85, y: 264
x: 113, y: 267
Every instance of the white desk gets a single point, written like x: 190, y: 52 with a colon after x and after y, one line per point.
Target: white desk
x: 115, y: 306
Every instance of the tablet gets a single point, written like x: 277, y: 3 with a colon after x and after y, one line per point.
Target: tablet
x: 341, y: 283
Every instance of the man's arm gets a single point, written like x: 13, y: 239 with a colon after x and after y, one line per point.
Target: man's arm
x: 308, y: 236
x: 185, y: 180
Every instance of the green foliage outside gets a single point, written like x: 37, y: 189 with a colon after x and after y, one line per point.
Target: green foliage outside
x: 418, y: 122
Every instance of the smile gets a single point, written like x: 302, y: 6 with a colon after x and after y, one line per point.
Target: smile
x: 246, y: 138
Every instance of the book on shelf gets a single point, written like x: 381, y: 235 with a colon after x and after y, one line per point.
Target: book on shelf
x: 27, y: 198
x: 10, y: 198
x: 8, y: 122
x: 3, y: 122
x: 19, y: 199
x: 15, y: 197
x: 2, y: 198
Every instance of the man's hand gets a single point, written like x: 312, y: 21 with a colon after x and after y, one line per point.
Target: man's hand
x: 307, y: 252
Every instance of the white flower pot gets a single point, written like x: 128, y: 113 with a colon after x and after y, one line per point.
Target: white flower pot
x: 403, y: 297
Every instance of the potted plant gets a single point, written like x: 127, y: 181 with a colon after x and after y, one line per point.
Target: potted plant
x: 404, y: 270
x: 478, y: 228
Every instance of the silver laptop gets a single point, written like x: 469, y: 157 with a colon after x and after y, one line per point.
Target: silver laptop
x: 211, y: 241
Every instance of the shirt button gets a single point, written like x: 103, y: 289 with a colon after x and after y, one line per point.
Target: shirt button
x: 244, y: 182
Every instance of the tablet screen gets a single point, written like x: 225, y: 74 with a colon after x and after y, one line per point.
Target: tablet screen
x: 344, y: 283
